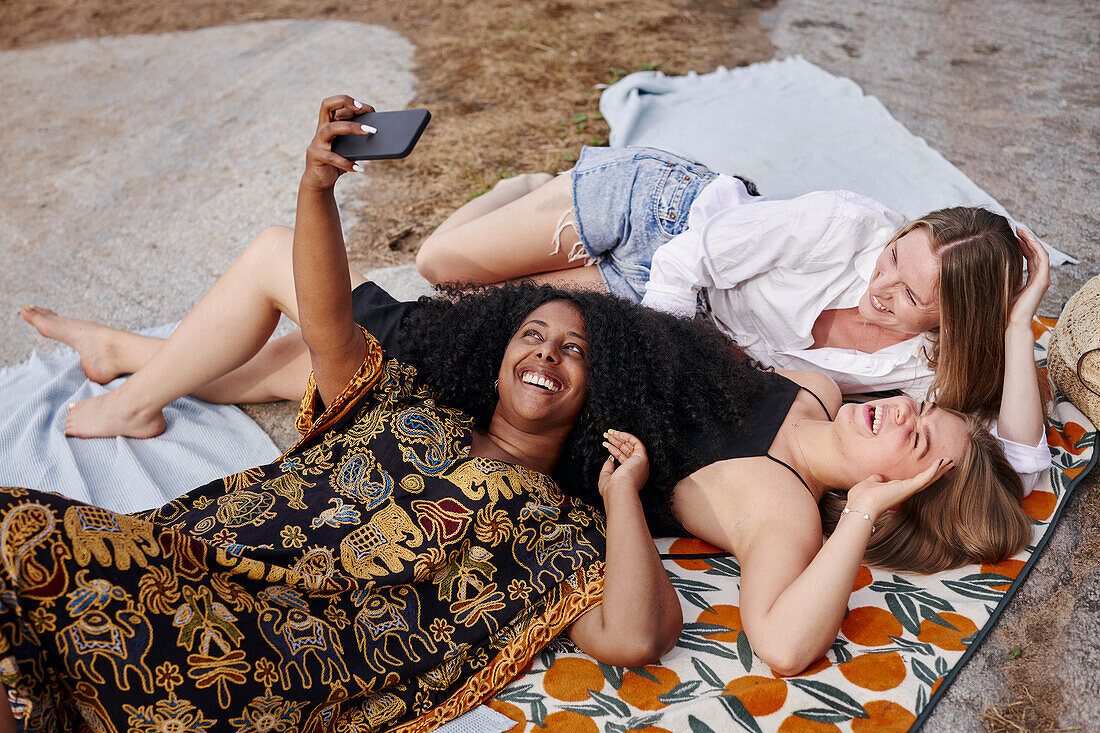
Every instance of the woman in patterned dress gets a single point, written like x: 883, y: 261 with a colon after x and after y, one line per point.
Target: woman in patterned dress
x: 397, y: 566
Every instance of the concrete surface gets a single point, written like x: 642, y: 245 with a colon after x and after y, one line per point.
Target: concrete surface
x: 137, y: 168
x: 1007, y: 90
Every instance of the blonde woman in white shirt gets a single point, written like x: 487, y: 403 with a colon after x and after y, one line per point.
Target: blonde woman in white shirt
x: 831, y: 281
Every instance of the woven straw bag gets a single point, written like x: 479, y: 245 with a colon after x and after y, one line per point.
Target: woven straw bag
x: 1073, y: 355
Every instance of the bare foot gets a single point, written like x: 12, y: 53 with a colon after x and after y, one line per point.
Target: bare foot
x: 94, y: 342
x: 109, y: 416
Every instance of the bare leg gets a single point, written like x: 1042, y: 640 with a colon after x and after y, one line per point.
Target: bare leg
x: 105, y: 352
x: 229, y: 326
x: 506, y: 234
x: 277, y: 372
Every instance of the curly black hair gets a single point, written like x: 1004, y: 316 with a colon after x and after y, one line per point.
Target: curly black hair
x: 667, y: 380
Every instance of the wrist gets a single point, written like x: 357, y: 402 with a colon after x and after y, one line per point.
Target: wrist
x: 619, y: 494
x: 855, y: 514
x: 309, y: 185
x: 860, y: 503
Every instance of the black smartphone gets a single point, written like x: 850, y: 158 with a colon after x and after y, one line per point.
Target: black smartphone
x: 396, y: 136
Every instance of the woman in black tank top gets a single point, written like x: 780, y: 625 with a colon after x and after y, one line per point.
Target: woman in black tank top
x: 883, y: 467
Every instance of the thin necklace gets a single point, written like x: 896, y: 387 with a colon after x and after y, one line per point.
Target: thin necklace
x: 802, y: 454
x: 862, y: 333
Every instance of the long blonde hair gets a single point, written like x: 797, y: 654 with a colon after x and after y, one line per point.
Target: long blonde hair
x: 980, y: 272
x: 973, y: 514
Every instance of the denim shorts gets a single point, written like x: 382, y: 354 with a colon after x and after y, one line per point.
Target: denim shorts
x: 628, y: 202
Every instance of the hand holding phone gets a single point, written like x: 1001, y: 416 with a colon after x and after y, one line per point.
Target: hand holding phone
x: 397, y: 133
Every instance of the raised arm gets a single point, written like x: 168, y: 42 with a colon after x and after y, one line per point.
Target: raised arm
x: 1021, y: 416
x: 640, y: 618
x: 792, y: 599
x: 321, y: 282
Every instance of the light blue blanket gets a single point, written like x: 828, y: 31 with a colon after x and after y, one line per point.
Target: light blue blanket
x: 791, y: 127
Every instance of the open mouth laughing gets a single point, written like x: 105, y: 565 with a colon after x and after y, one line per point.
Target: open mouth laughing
x: 877, y: 305
x: 542, y: 381
x: 874, y: 414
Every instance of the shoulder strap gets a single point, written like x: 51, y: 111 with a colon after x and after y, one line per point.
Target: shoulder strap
x: 788, y: 467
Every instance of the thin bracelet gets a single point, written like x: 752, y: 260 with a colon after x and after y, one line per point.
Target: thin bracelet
x: 865, y: 515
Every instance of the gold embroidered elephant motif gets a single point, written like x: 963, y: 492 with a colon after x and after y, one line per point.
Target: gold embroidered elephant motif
x: 123, y: 643
x: 479, y: 477
x: 559, y: 550
x: 382, y: 545
x: 392, y: 614
x: 297, y: 639
x: 290, y: 486
x: 90, y: 529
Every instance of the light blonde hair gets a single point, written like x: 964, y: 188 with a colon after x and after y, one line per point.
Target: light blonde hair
x: 972, y: 514
x: 980, y: 273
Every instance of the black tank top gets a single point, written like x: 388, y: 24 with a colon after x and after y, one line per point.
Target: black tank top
x: 763, y: 417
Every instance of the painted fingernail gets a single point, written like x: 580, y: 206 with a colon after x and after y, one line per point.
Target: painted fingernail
x: 358, y: 104
x: 358, y: 168
x: 368, y: 128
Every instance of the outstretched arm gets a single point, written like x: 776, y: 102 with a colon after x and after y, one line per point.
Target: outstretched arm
x: 1021, y: 415
x: 321, y: 282
x: 640, y: 618
x: 792, y: 609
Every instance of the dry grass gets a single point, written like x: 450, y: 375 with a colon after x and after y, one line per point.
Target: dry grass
x: 1019, y: 716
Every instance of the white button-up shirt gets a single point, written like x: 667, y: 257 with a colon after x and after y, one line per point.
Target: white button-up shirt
x: 770, y: 268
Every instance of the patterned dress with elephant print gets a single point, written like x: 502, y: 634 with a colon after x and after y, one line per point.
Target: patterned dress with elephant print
x: 373, y: 577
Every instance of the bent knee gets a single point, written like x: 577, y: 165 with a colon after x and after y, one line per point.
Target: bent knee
x: 431, y: 258
x: 274, y: 238
x: 273, y: 244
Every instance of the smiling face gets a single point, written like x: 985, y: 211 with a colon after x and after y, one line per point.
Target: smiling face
x: 902, y: 294
x: 899, y: 437
x: 543, y: 379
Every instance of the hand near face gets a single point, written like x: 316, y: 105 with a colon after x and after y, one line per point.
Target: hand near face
x: 633, y: 464
x: 874, y: 495
x: 1038, y: 280
x: 323, y: 166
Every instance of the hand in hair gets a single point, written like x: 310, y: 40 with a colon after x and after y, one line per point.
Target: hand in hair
x: 1023, y: 393
x: 1038, y: 280
x: 874, y: 495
